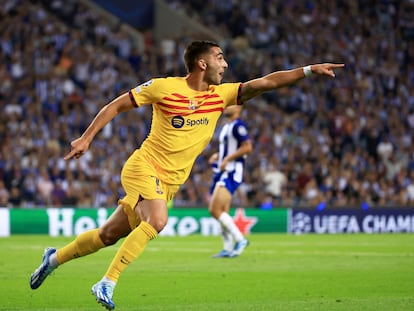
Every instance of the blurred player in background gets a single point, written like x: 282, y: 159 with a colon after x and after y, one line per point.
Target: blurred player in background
x: 185, y: 114
x: 228, y: 168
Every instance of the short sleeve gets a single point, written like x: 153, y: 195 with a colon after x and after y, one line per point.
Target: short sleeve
x: 230, y: 93
x: 240, y: 131
x: 144, y: 94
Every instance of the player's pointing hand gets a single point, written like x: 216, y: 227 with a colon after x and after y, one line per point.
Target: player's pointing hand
x: 326, y: 69
x: 79, y: 147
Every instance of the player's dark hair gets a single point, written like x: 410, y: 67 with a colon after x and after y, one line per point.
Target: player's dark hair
x: 194, y: 50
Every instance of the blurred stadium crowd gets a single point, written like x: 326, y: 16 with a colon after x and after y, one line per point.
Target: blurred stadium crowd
x: 340, y: 142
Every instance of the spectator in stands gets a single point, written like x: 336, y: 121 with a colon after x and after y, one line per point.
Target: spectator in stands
x: 58, y: 194
x: 71, y: 198
x: 44, y: 187
x: 385, y: 148
x: 275, y: 181
x: 4, y: 195
x: 409, y: 189
x: 15, y: 198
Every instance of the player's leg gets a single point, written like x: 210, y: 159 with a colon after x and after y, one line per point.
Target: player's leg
x: 228, y: 242
x: 154, y: 217
x: 216, y: 208
x: 86, y: 243
x: 222, y: 199
x: 116, y: 227
x: 145, y: 204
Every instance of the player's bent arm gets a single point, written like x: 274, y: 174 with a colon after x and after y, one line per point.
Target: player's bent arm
x: 104, y: 116
x: 246, y: 147
x: 283, y: 78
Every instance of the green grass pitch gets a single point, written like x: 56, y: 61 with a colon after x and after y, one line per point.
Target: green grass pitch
x: 276, y: 272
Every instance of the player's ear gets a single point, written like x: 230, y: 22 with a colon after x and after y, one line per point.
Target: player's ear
x: 202, y: 64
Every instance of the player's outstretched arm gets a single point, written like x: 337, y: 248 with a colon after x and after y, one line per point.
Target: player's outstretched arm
x: 283, y: 78
x: 104, y: 116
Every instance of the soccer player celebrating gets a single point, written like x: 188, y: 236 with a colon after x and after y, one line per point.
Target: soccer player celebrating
x: 228, y: 165
x: 185, y: 113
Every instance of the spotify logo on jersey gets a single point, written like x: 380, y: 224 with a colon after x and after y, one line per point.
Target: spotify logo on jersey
x: 177, y: 122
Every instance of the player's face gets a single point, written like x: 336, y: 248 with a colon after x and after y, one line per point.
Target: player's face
x: 215, y: 66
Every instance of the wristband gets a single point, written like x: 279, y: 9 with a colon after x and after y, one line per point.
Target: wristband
x: 307, y: 71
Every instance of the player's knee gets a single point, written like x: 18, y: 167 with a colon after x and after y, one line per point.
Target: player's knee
x: 159, y: 224
x: 215, y: 212
x: 108, y: 237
